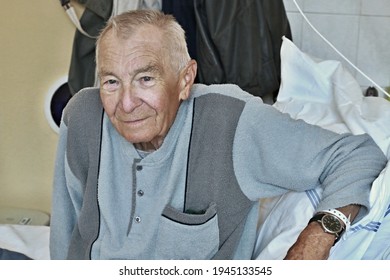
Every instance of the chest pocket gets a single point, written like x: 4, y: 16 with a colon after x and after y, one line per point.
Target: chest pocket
x: 188, y: 236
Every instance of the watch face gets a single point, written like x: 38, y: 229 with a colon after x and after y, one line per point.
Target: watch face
x: 332, y: 224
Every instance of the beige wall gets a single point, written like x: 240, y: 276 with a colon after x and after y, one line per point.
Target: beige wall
x: 36, y: 42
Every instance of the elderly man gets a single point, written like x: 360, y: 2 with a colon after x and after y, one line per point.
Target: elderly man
x: 153, y: 166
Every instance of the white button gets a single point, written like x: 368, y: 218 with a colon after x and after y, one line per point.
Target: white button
x: 137, y: 219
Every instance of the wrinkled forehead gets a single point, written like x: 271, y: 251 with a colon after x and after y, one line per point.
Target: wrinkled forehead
x: 143, y: 48
x: 144, y: 33
x: 145, y: 36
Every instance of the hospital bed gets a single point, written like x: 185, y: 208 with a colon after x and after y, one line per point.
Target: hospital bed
x: 321, y: 93
x: 325, y: 94
x: 24, y: 234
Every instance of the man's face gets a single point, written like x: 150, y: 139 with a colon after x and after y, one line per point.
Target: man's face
x: 140, y: 91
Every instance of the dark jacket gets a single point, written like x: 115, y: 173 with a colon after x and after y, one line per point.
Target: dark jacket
x: 239, y: 42
x: 82, y: 65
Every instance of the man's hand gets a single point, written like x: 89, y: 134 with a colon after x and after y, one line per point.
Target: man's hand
x: 314, y: 243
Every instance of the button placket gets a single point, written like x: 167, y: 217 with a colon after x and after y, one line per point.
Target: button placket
x: 140, y: 193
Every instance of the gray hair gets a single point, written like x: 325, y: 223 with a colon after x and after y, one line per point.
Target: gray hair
x: 174, y: 36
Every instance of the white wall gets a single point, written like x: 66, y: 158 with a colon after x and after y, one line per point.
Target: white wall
x: 36, y: 43
x: 359, y: 29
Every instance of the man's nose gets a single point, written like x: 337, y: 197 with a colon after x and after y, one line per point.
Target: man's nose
x: 129, y: 99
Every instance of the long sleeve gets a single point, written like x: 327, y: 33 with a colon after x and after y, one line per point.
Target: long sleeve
x: 275, y: 154
x: 66, y: 201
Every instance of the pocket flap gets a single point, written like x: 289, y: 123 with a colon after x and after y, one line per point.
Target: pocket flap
x: 190, y: 218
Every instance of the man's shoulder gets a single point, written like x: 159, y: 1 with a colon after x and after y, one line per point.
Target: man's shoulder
x: 85, y: 97
x: 86, y: 102
x: 222, y: 95
x: 228, y: 90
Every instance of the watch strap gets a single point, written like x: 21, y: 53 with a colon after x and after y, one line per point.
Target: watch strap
x: 316, y: 218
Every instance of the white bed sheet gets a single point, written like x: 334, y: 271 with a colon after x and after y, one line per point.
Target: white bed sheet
x: 325, y: 94
x: 31, y: 241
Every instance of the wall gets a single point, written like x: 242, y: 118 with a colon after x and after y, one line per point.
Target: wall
x: 36, y: 41
x: 360, y: 29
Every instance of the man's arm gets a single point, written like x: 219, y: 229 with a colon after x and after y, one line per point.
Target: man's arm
x: 279, y: 154
x: 66, y: 201
x: 314, y: 243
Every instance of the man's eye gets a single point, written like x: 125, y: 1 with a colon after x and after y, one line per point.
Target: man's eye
x: 146, y: 79
x: 110, y: 84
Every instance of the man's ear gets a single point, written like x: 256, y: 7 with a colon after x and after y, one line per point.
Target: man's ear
x: 187, y: 78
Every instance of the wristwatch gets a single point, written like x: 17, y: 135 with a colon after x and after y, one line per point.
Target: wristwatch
x: 330, y: 223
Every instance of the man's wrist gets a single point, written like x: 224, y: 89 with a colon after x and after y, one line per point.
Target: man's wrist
x: 340, y: 215
x: 316, y: 234
x: 332, y: 221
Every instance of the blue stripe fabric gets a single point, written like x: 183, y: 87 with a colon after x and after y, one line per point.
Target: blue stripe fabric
x: 371, y: 226
x: 387, y: 211
x: 314, y: 197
